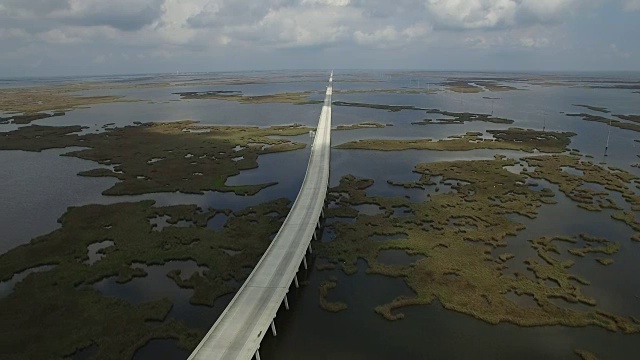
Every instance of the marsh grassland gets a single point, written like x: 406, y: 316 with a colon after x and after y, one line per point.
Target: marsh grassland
x: 177, y: 156
x: 63, y: 300
x: 460, y: 234
x: 29, y: 104
x: 511, y: 139
x: 299, y: 98
x: 450, y: 227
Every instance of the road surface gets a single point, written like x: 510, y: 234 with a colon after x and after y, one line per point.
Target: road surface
x: 239, y: 330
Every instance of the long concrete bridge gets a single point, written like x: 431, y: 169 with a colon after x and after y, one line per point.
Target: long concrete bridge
x: 238, y: 332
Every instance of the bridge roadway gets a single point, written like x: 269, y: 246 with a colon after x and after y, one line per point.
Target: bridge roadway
x: 238, y: 332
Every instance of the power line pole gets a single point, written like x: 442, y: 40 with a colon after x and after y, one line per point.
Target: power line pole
x: 606, y: 148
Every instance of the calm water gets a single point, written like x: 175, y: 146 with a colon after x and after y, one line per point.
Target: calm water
x: 36, y: 189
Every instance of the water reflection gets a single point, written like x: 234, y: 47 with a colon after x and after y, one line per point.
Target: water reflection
x: 156, y: 285
x: 566, y: 219
x: 95, y: 251
x: 217, y: 222
x: 167, y: 347
x: 6, y: 287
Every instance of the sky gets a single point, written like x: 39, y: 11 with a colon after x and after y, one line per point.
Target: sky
x: 95, y: 37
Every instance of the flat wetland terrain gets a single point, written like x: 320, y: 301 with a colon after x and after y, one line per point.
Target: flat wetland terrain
x: 469, y: 215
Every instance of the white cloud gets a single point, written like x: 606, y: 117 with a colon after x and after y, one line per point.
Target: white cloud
x: 327, y: 2
x: 100, y: 59
x: 632, y: 5
x: 382, y: 36
x: 485, y: 42
x: 276, y: 23
x: 474, y: 14
x: 216, y: 13
x: 120, y: 14
x: 619, y: 52
x: 293, y: 27
x: 184, y: 29
x: 61, y: 37
x: 389, y: 37
x: 32, y: 8
x: 529, y: 42
x: 13, y: 34
x: 493, y: 14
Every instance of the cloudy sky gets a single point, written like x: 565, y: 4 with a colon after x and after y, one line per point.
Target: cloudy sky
x: 81, y: 37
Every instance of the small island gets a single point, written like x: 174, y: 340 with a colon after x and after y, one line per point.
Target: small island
x: 511, y: 139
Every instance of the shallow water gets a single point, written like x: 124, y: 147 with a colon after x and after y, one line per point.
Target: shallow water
x: 93, y: 251
x: 217, y: 222
x: 307, y: 332
x: 167, y: 347
x: 40, y: 186
x: 156, y: 286
x: 614, y: 287
x: 6, y: 287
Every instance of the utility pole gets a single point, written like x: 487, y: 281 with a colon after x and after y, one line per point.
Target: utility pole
x: 606, y: 148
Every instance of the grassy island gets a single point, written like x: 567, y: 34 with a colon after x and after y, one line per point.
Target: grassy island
x: 36, y: 103
x: 298, y: 98
x: 630, y: 86
x: 325, y: 304
x: 163, y: 157
x: 390, y: 108
x: 364, y: 125
x: 460, y: 233
x: 404, y: 91
x: 457, y: 118
x: 62, y: 299
x: 476, y: 86
x: 615, y: 123
x: 585, y: 355
x: 552, y: 169
x: 599, y: 109
x: 461, y: 118
x: 511, y: 139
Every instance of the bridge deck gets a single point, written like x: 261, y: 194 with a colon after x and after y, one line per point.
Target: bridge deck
x: 239, y: 330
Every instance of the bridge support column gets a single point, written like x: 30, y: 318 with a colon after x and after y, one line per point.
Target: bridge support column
x: 258, y: 354
x: 315, y: 236
x: 310, y: 249
x: 322, y: 213
x: 286, y: 302
x: 304, y: 261
x: 295, y: 280
x: 273, y: 327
